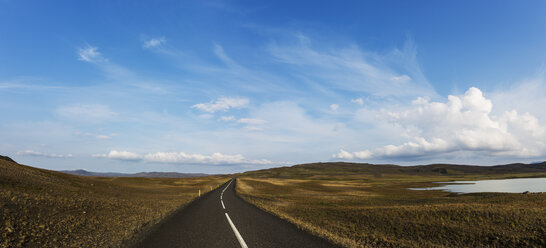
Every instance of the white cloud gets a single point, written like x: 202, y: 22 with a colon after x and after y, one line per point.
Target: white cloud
x: 97, y: 136
x: 252, y: 121
x: 102, y: 136
x: 222, y: 104
x: 401, y: 79
x: 358, y: 101
x: 334, y: 107
x: 253, y: 124
x: 528, y: 95
x: 227, y: 118
x: 40, y: 154
x: 254, y: 128
x: 89, y: 54
x: 395, y: 74
x: 185, y: 158
x: 121, y: 155
x: 86, y: 112
x: 154, y: 42
x: 344, y: 155
x: 219, y: 51
x: 462, y: 124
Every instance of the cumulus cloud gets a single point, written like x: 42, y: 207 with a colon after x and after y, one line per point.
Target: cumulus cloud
x: 462, y: 124
x: 344, y: 155
x: 121, y: 155
x: 41, y: 154
x: 222, y: 104
x: 89, y: 54
x: 154, y: 42
x: 334, y: 107
x: 86, y: 112
x: 185, y: 158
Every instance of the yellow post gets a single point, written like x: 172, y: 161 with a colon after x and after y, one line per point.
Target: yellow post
x: 210, y: 188
x: 199, y: 193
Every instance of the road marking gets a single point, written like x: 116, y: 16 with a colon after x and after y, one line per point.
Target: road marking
x: 237, y: 234
x: 222, y: 194
x: 227, y: 186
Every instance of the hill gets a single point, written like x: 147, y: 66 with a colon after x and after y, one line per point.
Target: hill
x: 140, y: 174
x: 5, y: 158
x: 43, y: 208
x: 343, y: 169
x: 367, y: 205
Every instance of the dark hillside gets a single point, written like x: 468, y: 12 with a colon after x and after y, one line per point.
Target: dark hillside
x: 333, y: 169
x: 43, y: 208
x: 6, y: 158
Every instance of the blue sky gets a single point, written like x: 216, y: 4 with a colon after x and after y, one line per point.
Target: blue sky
x: 228, y: 86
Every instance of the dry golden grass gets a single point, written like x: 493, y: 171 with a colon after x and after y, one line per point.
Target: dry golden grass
x: 381, y: 212
x: 41, y: 208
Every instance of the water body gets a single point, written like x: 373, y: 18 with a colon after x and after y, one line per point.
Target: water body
x: 517, y: 185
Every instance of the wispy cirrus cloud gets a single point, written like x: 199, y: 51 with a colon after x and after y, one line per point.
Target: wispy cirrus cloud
x: 154, y: 42
x: 355, y: 69
x: 86, y: 112
x: 89, y: 54
x: 42, y: 154
x: 252, y: 121
x: 222, y: 104
x: 358, y: 101
x: 97, y: 136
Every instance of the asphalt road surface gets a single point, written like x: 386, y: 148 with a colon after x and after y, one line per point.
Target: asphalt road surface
x: 222, y: 219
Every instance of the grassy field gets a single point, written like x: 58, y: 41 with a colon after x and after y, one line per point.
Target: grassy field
x: 370, y: 206
x: 41, y: 208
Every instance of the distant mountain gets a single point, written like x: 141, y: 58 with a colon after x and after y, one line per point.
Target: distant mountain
x: 140, y: 174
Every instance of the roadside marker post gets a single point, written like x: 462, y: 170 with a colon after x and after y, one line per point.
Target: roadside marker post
x: 199, y: 193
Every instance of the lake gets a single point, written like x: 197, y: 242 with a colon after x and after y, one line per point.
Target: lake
x: 516, y: 185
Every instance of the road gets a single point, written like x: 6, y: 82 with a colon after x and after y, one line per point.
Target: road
x: 221, y: 218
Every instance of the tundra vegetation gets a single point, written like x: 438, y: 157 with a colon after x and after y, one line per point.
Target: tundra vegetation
x: 363, y: 205
x: 42, y: 208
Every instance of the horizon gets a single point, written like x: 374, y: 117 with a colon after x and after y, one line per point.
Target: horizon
x: 282, y: 166
x: 224, y: 87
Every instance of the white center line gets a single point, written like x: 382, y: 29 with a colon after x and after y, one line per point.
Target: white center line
x: 222, y: 194
x: 237, y: 234
x: 226, y: 186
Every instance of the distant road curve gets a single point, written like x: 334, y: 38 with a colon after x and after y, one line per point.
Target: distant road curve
x: 222, y: 219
